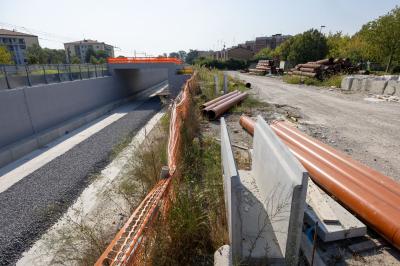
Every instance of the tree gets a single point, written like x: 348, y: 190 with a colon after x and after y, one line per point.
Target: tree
x: 89, y: 53
x: 93, y: 60
x: 182, y: 55
x: 75, y: 60
x: 191, y: 56
x: 265, y: 53
x: 382, y: 36
x: 337, y: 44
x: 174, y: 54
x: 35, y: 55
x: 308, y: 46
x: 5, y: 56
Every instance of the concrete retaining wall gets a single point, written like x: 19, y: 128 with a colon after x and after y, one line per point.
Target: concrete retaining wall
x: 282, y: 180
x: 389, y: 85
x: 231, y: 193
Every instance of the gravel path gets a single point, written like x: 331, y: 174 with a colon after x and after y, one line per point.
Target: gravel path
x: 31, y: 206
x: 367, y: 131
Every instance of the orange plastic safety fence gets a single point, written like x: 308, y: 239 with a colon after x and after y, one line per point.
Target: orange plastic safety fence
x: 127, y: 247
x: 141, y: 60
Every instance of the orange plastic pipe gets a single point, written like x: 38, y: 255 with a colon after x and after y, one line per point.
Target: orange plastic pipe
x: 204, y: 105
x: 344, y: 180
x: 222, y: 107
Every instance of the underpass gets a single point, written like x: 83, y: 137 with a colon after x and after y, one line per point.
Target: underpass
x: 40, y: 185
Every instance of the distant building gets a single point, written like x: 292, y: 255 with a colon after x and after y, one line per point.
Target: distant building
x: 17, y: 43
x: 205, y: 54
x: 80, y: 48
x: 236, y: 52
x: 269, y: 42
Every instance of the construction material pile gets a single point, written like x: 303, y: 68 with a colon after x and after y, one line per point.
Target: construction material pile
x: 216, y: 107
x: 322, y: 69
x: 263, y: 67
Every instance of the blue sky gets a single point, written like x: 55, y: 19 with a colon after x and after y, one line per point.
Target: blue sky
x: 156, y: 26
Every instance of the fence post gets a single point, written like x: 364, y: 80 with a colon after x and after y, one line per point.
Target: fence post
x: 88, y: 71
x: 225, y: 83
x: 27, y: 76
x: 58, y: 70
x: 5, y: 75
x: 44, y: 75
x: 80, y: 71
x: 95, y: 70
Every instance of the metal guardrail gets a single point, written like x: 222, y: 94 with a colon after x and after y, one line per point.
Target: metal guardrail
x: 16, y: 76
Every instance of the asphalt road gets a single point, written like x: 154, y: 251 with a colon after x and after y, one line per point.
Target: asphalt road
x: 31, y: 206
x: 368, y: 131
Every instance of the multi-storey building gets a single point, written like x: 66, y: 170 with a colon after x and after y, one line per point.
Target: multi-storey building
x: 80, y: 48
x: 17, y: 43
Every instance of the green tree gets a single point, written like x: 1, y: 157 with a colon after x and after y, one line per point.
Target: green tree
x: 308, y: 46
x: 75, y: 60
x: 282, y: 51
x: 89, y: 53
x: 93, y: 60
x: 182, y: 55
x: 174, y: 54
x: 337, y: 44
x: 265, y: 53
x: 100, y: 54
x: 382, y: 36
x: 35, y: 55
x: 5, y: 56
x: 191, y: 56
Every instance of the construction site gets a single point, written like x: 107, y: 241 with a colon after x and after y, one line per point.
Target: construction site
x: 278, y: 150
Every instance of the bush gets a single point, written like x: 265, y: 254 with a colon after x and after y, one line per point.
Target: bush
x: 335, y: 81
x: 231, y: 64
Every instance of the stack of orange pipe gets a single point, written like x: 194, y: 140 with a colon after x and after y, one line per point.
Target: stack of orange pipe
x: 216, y: 107
x: 372, y: 196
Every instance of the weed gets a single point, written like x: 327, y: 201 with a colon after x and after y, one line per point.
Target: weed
x: 334, y: 81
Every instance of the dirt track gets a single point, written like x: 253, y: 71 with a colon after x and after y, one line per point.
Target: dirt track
x: 368, y: 131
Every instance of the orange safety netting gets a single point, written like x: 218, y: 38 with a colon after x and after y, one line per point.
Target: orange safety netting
x: 139, y: 60
x: 128, y: 246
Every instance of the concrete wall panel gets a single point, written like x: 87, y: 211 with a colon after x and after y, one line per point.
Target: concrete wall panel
x: 282, y: 182
x: 231, y: 193
x: 14, y: 117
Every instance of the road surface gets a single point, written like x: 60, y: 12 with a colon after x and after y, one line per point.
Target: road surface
x: 31, y: 205
x: 368, y: 131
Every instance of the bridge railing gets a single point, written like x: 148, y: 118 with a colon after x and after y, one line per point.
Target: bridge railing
x: 144, y: 60
x: 16, y: 76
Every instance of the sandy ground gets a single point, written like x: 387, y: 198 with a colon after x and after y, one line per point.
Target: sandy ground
x: 367, y: 131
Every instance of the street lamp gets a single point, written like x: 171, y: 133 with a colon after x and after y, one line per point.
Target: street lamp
x: 322, y: 26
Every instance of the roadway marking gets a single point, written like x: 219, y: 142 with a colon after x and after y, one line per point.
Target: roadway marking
x: 15, y: 171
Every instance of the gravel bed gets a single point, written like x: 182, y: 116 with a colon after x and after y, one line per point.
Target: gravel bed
x: 31, y: 206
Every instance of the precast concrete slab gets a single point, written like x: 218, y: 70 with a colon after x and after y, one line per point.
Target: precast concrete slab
x: 347, y: 225
x: 282, y: 182
x: 231, y: 193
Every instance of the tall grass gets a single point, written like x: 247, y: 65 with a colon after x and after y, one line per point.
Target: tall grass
x: 334, y: 81
x: 195, y: 226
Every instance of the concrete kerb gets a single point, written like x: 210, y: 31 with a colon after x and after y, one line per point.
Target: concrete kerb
x: 17, y: 150
x: 389, y: 85
x: 231, y: 193
x: 283, y: 180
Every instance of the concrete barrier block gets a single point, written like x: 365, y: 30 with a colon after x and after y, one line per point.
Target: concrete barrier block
x: 375, y: 86
x: 357, y: 84
x: 346, y: 84
x: 23, y: 148
x: 231, y: 193
x: 223, y: 256
x: 393, y: 88
x: 282, y: 181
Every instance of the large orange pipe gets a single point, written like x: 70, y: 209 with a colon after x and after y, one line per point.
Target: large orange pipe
x: 222, y: 107
x: 372, y: 174
x: 381, y: 213
x: 204, y: 105
x: 226, y: 99
x: 357, y: 177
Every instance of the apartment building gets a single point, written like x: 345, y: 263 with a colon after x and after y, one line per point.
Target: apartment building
x: 80, y: 48
x: 17, y: 43
x: 269, y: 42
